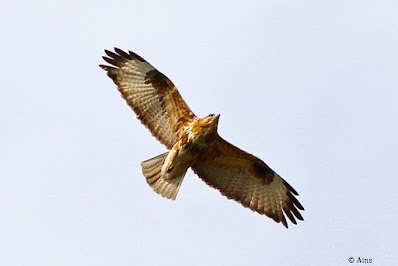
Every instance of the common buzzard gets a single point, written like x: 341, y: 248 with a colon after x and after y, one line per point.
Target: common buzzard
x: 194, y: 142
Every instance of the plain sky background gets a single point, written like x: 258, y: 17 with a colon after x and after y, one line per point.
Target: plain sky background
x: 310, y: 87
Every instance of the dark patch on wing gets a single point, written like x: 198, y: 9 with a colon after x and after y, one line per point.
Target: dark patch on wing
x: 195, y: 148
x: 263, y: 172
x: 159, y: 81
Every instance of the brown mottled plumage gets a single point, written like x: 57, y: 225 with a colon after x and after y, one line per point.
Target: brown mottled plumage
x: 194, y: 142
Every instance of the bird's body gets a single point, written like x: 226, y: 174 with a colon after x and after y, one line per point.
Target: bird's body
x: 194, y: 142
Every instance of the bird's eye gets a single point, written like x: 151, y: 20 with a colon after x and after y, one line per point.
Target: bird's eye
x: 211, y: 114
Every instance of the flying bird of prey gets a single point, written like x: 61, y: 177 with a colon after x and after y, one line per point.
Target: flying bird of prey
x: 194, y: 142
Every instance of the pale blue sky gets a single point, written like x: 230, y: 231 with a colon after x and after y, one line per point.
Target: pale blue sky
x: 310, y: 87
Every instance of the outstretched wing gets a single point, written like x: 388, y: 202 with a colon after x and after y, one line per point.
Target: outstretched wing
x: 248, y: 180
x: 151, y: 95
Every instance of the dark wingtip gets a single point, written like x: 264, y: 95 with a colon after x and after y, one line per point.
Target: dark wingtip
x: 298, y: 204
x: 119, y: 56
x: 110, y: 54
x: 285, y: 225
x: 283, y: 220
x: 112, y: 61
x: 289, y: 214
x: 297, y: 213
x: 136, y: 56
x: 122, y: 53
x: 289, y: 187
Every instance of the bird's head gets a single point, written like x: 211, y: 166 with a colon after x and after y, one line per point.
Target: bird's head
x: 209, y: 123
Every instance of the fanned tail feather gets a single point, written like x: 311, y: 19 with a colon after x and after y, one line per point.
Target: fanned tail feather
x: 167, y: 188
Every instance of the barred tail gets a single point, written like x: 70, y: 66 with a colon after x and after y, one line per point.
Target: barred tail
x: 151, y: 169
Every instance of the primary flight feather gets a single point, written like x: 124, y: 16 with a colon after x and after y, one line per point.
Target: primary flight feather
x: 194, y: 142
